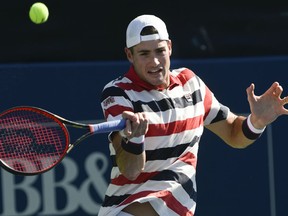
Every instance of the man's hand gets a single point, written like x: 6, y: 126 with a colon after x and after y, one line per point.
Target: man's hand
x: 268, y: 107
x: 136, y: 124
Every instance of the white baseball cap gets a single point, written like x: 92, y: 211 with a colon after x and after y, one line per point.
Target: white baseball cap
x: 135, y: 27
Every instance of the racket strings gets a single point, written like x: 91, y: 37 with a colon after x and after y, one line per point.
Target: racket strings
x: 30, y: 141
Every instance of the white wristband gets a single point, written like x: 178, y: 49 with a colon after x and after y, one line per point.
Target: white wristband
x: 252, y: 128
x: 138, y: 140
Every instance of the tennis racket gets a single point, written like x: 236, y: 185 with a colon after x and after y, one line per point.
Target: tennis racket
x: 33, y: 140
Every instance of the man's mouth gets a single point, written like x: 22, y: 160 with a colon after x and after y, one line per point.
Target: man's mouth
x: 155, y: 71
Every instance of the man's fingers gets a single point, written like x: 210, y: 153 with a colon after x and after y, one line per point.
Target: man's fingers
x: 250, y: 92
x: 285, y: 100
x: 277, y: 90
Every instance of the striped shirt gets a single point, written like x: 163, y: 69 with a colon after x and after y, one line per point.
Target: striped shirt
x: 176, y: 116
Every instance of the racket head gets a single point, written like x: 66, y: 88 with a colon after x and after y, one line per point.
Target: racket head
x: 32, y: 140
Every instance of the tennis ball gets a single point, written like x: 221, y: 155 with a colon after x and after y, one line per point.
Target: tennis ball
x: 38, y: 13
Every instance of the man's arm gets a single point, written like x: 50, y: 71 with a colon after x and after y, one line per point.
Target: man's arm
x: 239, y: 132
x: 129, y: 145
x: 129, y: 164
x: 230, y: 131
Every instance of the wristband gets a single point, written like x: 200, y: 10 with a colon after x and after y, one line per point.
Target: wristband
x: 250, y: 131
x: 138, y: 140
x: 134, y: 145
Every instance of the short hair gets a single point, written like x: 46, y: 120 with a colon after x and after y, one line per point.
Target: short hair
x: 148, y: 30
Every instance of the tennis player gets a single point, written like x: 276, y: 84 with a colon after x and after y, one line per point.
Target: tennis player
x: 155, y: 156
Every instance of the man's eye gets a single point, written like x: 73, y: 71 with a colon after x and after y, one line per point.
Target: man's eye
x: 161, y: 51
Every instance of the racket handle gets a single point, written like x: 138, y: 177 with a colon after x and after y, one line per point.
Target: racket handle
x: 109, y: 126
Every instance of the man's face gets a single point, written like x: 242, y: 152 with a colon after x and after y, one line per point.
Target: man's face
x: 151, y: 60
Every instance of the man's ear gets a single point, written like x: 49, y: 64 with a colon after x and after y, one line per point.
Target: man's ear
x: 128, y: 54
x: 170, y: 47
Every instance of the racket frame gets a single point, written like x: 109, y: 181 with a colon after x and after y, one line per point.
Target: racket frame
x: 63, y: 123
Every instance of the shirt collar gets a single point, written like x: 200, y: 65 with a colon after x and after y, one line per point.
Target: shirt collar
x: 131, y: 74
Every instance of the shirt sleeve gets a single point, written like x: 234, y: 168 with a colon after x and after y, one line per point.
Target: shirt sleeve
x: 214, y: 110
x: 114, y: 101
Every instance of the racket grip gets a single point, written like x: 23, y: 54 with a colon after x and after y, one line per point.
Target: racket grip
x: 109, y: 126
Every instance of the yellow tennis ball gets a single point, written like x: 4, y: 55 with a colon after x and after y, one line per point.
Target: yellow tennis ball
x: 38, y: 13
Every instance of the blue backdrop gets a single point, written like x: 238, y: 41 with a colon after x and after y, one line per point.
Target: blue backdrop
x: 249, y: 182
